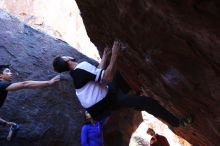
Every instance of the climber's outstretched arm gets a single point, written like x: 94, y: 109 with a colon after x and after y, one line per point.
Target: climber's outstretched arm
x: 32, y: 84
x: 111, y: 68
x: 105, y: 58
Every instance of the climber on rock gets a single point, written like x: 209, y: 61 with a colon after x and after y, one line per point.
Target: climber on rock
x: 93, y: 87
x: 6, y: 85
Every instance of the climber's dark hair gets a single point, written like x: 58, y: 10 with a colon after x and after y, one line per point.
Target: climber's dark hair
x: 2, y: 68
x: 60, y: 65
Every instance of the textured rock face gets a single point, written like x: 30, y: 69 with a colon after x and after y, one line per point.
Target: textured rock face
x: 49, y: 116
x: 118, y: 130
x: 172, y: 54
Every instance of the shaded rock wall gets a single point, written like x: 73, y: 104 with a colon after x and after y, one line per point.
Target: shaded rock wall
x: 50, y: 116
x: 172, y: 53
x: 118, y: 130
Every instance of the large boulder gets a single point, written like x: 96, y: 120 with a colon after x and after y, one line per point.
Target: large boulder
x: 171, y: 52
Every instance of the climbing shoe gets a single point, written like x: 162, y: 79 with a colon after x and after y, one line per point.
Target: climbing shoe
x: 186, y: 121
x: 12, y: 130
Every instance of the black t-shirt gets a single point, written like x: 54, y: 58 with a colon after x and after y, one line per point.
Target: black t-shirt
x: 3, y: 91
